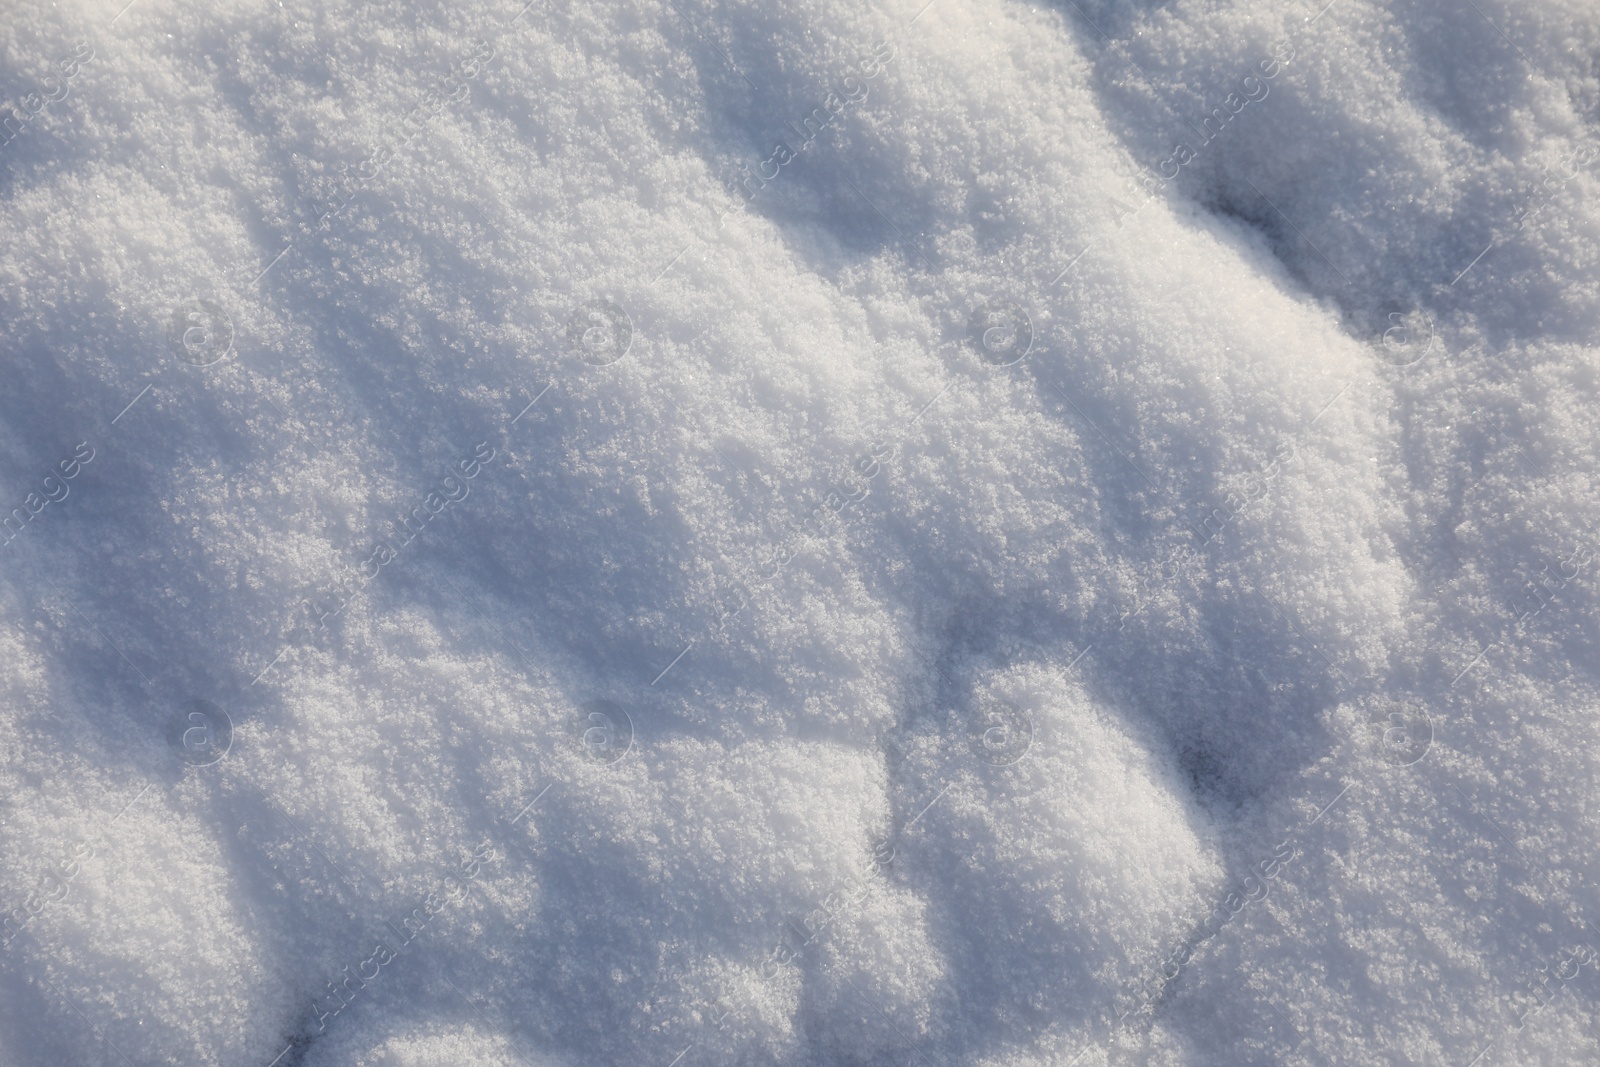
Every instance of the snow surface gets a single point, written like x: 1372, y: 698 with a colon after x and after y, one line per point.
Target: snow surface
x: 1089, y: 558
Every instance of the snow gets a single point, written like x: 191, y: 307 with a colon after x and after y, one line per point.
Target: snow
x: 690, y: 533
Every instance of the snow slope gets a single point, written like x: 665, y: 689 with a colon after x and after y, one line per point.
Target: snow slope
x: 808, y: 533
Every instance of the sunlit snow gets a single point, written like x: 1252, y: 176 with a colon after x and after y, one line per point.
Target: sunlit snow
x: 962, y: 534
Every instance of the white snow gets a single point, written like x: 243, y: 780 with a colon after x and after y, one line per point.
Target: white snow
x: 807, y: 533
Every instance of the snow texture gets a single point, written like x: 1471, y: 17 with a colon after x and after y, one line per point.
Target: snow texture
x: 720, y: 532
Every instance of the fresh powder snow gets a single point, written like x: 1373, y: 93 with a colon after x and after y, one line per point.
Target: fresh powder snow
x: 676, y: 533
